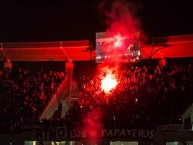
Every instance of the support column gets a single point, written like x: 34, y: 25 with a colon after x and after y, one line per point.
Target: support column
x: 69, y: 72
x: 65, y: 108
x: 162, y: 62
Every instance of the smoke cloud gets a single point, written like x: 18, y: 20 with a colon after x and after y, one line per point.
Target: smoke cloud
x: 121, y: 17
x: 123, y: 27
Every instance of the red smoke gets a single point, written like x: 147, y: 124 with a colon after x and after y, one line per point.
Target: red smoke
x: 122, y: 22
x: 121, y: 17
x: 93, y: 124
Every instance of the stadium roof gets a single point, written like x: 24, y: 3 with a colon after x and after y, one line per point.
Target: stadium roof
x: 46, y: 51
x: 168, y: 47
x: 162, y: 47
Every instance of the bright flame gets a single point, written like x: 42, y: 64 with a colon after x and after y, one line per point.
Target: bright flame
x: 108, y: 83
x: 118, y: 41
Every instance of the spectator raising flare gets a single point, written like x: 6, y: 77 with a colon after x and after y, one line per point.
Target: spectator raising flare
x: 144, y: 94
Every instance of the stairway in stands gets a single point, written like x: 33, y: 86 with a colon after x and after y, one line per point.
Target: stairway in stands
x: 56, y: 100
x: 60, y: 101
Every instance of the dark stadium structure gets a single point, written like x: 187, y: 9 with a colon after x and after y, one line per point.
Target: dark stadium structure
x: 50, y: 93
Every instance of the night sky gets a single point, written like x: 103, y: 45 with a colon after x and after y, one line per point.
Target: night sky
x: 60, y: 20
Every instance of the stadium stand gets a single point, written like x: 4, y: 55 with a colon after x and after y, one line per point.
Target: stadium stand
x: 148, y: 94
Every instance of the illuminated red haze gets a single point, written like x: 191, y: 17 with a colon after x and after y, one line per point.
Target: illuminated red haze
x: 108, y: 83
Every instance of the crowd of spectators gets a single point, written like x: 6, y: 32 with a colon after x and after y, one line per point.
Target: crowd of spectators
x: 24, y: 94
x: 146, y: 95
